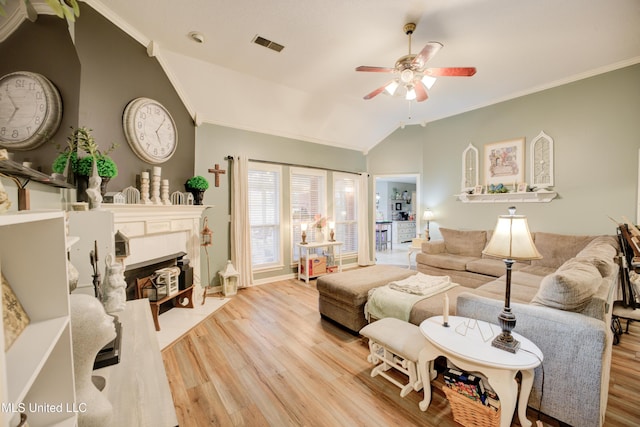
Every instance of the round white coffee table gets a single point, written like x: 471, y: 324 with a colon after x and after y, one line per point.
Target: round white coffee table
x: 467, y: 344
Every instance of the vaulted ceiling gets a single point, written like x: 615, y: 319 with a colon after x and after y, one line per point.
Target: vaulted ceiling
x: 311, y: 91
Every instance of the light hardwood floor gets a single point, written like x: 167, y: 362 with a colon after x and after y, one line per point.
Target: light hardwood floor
x: 267, y: 359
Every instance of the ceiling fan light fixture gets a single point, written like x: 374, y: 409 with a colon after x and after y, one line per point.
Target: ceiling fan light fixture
x: 391, y: 87
x: 406, y: 75
x: 411, y: 93
x: 428, y: 81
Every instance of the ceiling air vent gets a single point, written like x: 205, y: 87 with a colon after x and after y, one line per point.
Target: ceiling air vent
x: 268, y: 43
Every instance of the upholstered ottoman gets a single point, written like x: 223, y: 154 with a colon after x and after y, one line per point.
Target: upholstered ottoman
x: 394, y: 343
x: 343, y: 295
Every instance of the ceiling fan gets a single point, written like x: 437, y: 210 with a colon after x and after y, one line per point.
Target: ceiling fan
x: 412, y: 73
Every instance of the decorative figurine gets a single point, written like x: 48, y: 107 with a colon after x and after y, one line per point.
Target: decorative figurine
x: 114, y: 287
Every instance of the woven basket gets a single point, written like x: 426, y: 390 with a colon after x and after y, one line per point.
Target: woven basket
x: 470, y: 413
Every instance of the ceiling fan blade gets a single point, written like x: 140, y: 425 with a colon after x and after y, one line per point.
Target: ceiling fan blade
x: 421, y: 91
x: 375, y: 69
x: 427, y: 52
x: 377, y: 91
x: 450, y: 72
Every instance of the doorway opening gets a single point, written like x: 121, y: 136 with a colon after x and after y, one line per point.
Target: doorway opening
x: 396, y: 207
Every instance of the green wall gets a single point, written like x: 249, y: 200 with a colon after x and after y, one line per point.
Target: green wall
x: 214, y: 143
x: 595, y: 126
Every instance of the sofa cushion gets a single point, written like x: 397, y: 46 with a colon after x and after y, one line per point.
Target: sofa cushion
x: 491, y: 266
x: 464, y: 242
x: 558, y: 248
x: 601, y: 252
x: 445, y: 261
x: 538, y: 270
x: 570, y: 288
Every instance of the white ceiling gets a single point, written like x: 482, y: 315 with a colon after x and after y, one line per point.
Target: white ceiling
x: 310, y: 90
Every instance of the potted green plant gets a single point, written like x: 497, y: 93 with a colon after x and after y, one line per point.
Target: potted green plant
x: 197, y: 185
x: 68, y: 161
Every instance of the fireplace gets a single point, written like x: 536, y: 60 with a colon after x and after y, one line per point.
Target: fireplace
x: 148, y: 268
x: 157, y: 235
x: 154, y: 232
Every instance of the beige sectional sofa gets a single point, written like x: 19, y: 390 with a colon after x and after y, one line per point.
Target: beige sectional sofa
x: 562, y: 302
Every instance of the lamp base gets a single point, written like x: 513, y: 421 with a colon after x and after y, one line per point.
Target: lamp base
x: 505, y: 341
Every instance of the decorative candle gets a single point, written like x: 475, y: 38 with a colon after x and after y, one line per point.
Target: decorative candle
x: 145, y: 175
x: 445, y: 310
x: 165, y: 182
x: 156, y: 170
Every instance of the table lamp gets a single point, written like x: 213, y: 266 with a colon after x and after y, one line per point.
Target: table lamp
x: 511, y: 240
x: 428, y: 216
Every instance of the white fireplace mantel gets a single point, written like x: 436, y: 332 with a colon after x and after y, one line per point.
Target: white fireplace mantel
x: 153, y: 229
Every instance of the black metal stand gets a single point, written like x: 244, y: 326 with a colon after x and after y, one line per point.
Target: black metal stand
x: 507, y: 319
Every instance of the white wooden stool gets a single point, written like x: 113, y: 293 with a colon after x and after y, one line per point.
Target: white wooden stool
x: 394, y: 343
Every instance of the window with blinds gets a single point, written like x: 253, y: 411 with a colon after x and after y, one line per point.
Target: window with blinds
x: 308, y: 202
x: 345, y: 210
x: 265, y: 199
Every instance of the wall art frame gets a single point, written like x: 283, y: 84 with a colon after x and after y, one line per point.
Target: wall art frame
x: 504, y: 162
x: 542, y: 161
x: 470, y: 169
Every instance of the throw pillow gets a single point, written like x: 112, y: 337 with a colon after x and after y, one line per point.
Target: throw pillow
x: 570, y: 288
x: 464, y: 242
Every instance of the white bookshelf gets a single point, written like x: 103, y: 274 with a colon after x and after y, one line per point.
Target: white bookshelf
x: 38, y: 368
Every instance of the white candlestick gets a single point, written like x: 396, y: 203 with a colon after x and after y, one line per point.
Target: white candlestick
x: 156, y: 170
x: 445, y: 310
x: 145, y: 175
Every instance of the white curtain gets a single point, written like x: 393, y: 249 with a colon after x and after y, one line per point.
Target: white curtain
x: 240, y: 225
x: 364, y: 251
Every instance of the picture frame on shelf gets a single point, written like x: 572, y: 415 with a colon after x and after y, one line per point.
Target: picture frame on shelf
x: 504, y: 162
x: 522, y: 187
x: 398, y: 206
x: 478, y: 189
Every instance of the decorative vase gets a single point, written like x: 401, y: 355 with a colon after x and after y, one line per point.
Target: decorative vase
x: 319, y: 235
x: 198, y: 195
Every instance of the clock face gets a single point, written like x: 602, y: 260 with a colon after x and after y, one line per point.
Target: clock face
x: 150, y: 130
x: 30, y: 110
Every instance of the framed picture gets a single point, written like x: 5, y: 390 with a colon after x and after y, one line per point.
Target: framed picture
x: 477, y: 189
x: 522, y: 187
x: 504, y: 162
x: 399, y: 206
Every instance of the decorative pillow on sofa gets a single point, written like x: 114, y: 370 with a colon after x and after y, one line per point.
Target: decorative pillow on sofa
x: 570, y: 288
x: 464, y: 242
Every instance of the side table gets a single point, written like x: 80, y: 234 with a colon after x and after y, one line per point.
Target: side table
x: 303, y: 252
x: 467, y: 344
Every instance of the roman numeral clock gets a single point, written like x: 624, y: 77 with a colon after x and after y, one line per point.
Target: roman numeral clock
x: 150, y: 130
x: 30, y: 110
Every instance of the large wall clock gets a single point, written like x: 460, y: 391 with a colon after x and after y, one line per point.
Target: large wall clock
x: 150, y: 130
x: 30, y: 110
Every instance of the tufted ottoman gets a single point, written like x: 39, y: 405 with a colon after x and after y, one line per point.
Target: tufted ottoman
x: 343, y: 295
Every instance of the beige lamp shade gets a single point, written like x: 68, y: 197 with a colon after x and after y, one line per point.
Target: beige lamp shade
x: 428, y: 215
x: 511, y: 239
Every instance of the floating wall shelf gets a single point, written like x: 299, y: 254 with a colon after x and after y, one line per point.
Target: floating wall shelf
x: 541, y: 196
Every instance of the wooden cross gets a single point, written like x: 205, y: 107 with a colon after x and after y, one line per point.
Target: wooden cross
x: 217, y: 171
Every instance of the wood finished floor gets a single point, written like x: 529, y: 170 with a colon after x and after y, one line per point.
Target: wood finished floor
x: 267, y: 359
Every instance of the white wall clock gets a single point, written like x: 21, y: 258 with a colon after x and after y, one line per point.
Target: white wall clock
x: 150, y: 130
x: 30, y: 110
